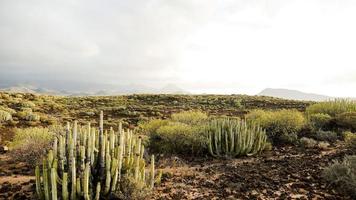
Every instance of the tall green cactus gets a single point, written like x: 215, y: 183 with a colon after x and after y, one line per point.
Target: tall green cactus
x: 231, y: 137
x: 86, y: 163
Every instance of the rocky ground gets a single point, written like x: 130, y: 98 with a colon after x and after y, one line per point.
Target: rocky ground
x: 284, y: 173
x: 16, y: 179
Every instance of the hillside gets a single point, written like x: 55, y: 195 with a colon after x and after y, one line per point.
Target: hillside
x: 293, y: 95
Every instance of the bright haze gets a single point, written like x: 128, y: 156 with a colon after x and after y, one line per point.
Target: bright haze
x: 202, y: 46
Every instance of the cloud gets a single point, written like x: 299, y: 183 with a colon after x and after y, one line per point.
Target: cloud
x: 203, y: 45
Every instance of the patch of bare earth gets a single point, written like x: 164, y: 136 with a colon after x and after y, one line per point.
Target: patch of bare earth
x: 285, y: 173
x: 16, y: 180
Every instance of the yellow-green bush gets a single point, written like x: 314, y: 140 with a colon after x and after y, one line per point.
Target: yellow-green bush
x: 319, y: 120
x: 5, y: 116
x: 7, y: 109
x: 28, y: 115
x: 332, y: 108
x: 350, y: 139
x: 27, y: 104
x: 28, y: 145
x: 152, y: 126
x: 183, y: 134
x: 189, y: 117
x: 346, y: 120
x: 280, y: 125
x: 178, y: 138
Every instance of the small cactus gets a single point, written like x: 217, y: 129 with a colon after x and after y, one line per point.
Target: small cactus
x: 231, y: 138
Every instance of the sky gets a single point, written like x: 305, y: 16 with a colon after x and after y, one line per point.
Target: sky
x: 201, y: 46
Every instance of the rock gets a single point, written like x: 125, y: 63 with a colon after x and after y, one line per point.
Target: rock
x: 4, y: 149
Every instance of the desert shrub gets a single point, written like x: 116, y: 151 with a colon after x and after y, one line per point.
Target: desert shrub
x: 319, y: 120
x: 348, y: 135
x: 329, y: 136
x: 28, y: 145
x: 32, y: 117
x: 351, y: 145
x: 182, y: 134
x: 4, y: 96
x: 342, y: 175
x: 350, y: 139
x: 28, y: 115
x: 323, y: 145
x: 278, y: 124
x: 27, y: 104
x: 131, y: 189
x: 5, y: 116
x: 332, y: 108
x: 307, y: 142
x: 189, y: 117
x: 178, y: 138
x: 7, y: 109
x: 231, y: 138
x: 346, y: 120
x: 150, y: 127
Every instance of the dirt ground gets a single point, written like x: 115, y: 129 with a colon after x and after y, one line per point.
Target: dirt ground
x: 284, y: 173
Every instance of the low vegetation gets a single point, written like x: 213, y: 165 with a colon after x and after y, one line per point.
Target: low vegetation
x: 328, y: 136
x: 281, y: 126
x: 30, y: 144
x: 342, y: 175
x: 332, y: 108
x: 83, y: 162
x: 5, y: 116
x: 183, y: 133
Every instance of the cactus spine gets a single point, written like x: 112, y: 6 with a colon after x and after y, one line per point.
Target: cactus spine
x: 231, y: 138
x: 87, y: 163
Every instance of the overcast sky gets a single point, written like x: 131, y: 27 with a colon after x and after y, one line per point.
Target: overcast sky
x: 233, y: 46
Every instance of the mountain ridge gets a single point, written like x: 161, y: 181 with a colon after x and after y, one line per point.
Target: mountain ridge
x: 294, y: 94
x: 119, y: 90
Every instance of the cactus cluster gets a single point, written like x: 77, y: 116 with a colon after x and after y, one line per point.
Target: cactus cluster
x: 232, y: 137
x: 86, y: 163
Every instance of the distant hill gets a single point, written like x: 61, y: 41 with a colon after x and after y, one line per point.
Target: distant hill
x: 293, y: 94
x: 30, y: 89
x: 115, y: 90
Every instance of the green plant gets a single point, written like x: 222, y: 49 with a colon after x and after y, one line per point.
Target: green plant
x: 346, y: 120
x: 231, y: 138
x: 7, y: 109
x: 183, y: 134
x: 350, y: 139
x: 278, y: 124
x: 329, y: 136
x: 89, y: 164
x: 27, y: 104
x: 151, y: 126
x: 333, y: 107
x: 5, y: 116
x: 30, y: 144
x: 178, y: 138
x: 342, y: 175
x: 307, y: 142
x: 319, y: 120
x: 189, y: 117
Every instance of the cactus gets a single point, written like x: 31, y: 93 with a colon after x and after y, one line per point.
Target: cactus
x: 87, y: 163
x: 231, y: 138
